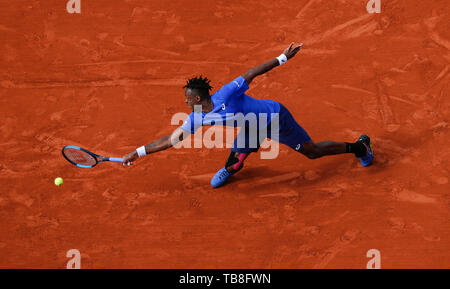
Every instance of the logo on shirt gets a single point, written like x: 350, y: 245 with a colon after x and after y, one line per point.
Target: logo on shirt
x: 223, y: 106
x: 298, y: 147
x: 236, y: 83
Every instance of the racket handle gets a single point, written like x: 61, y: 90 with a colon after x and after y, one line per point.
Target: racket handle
x: 116, y: 160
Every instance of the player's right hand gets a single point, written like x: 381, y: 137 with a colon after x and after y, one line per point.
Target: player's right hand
x: 128, y: 159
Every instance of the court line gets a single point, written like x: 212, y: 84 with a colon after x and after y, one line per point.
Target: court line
x: 94, y: 83
x: 153, y: 61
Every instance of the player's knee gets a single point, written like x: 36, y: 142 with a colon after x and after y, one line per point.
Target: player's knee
x: 311, y: 151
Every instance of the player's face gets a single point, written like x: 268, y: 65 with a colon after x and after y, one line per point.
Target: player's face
x: 191, y: 98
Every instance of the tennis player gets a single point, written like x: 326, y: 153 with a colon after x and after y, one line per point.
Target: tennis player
x: 231, y: 100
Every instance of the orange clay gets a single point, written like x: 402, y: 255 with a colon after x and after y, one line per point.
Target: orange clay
x: 110, y: 79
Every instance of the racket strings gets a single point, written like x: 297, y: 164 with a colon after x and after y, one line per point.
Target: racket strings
x: 79, y: 157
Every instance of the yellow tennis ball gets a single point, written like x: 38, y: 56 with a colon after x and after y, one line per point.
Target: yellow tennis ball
x: 58, y: 181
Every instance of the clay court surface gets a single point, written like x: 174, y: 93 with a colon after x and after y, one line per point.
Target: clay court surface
x: 110, y: 79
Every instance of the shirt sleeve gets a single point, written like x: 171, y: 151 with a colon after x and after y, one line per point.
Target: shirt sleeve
x: 192, y: 123
x: 236, y: 87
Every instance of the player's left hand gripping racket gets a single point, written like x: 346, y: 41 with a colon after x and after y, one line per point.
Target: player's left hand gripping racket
x: 84, y: 158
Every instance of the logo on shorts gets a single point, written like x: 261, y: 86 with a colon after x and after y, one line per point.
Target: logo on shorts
x: 298, y: 147
x: 223, y: 106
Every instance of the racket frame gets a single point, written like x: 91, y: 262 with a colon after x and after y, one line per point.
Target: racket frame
x: 98, y: 158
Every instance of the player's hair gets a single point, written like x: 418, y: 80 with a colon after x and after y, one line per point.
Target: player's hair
x: 201, y: 85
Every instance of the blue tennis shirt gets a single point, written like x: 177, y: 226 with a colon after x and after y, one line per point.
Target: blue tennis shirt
x: 231, y: 106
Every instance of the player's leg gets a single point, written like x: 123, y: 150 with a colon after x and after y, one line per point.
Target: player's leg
x: 362, y: 149
x: 293, y: 135
x: 243, y: 145
x: 234, y: 163
x: 314, y: 150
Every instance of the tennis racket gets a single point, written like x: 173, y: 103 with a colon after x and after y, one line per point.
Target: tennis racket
x: 85, y: 159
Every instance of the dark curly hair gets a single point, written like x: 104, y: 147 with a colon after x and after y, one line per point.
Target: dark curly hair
x: 201, y: 85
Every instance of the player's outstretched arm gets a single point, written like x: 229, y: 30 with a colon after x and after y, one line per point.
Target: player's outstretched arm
x: 288, y: 53
x: 158, y: 145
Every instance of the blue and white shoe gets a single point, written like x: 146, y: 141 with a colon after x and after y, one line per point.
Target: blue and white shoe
x: 367, y: 159
x: 220, y: 177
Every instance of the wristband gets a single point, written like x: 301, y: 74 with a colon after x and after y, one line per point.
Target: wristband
x: 141, y: 151
x: 282, y: 59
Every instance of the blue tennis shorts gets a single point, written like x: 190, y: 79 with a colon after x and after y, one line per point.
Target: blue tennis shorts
x: 290, y: 133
